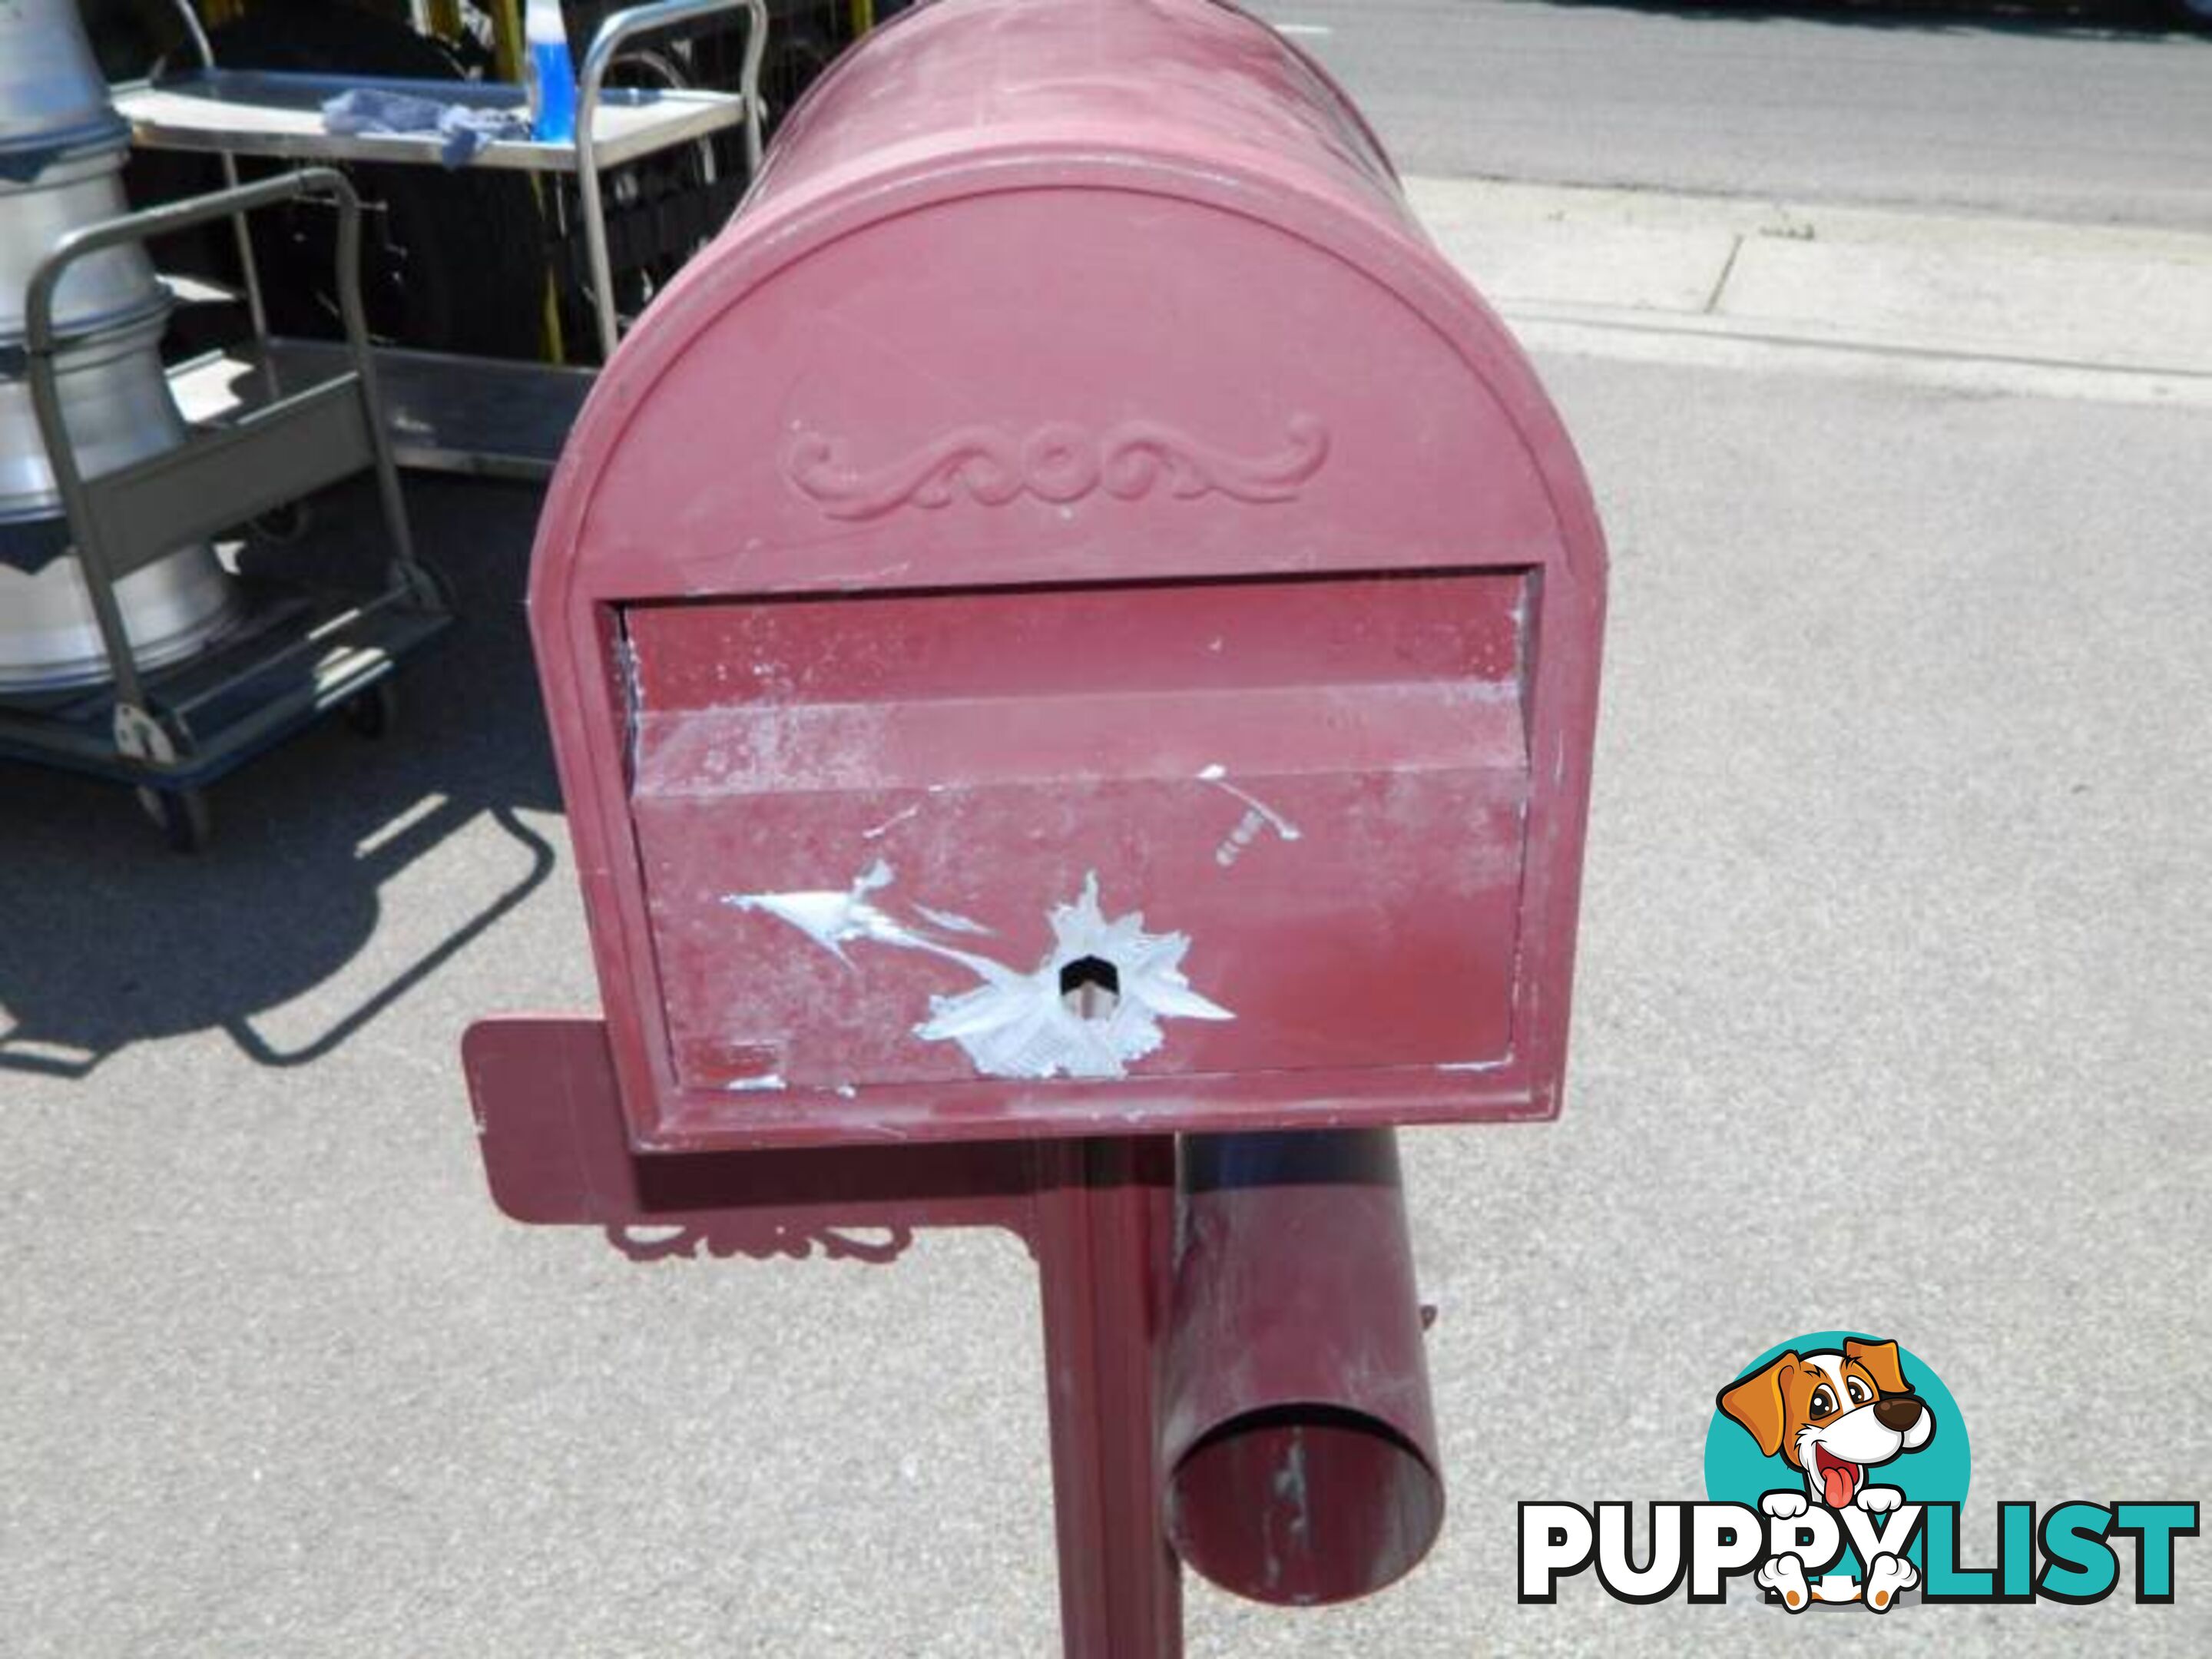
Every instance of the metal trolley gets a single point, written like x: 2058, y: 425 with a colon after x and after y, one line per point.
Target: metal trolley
x: 296, y: 653
x: 453, y: 413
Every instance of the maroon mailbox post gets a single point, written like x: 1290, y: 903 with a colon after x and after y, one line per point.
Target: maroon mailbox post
x: 1070, y: 636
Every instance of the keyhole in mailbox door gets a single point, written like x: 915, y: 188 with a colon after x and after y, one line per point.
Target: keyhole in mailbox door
x: 1090, y: 987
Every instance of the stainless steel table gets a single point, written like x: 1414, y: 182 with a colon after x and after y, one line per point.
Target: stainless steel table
x: 280, y: 114
x: 456, y: 413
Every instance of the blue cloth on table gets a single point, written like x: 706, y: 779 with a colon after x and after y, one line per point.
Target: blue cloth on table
x: 465, y: 130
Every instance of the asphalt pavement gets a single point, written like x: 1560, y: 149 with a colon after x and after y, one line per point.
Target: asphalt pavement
x: 1890, y: 1016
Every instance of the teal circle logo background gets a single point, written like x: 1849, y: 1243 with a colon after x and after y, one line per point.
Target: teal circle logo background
x: 1735, y: 1473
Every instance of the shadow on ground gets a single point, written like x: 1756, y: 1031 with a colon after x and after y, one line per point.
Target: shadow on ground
x: 106, y: 938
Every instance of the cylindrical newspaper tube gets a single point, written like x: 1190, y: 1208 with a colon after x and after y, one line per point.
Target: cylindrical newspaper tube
x: 1298, y: 1439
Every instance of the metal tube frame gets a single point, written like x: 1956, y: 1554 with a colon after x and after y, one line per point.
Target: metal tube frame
x: 139, y: 734
x: 205, y: 49
x: 612, y: 34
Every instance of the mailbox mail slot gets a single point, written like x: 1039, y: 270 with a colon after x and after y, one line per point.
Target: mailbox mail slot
x: 1071, y: 617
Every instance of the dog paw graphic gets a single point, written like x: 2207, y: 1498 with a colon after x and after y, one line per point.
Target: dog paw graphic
x: 1783, y: 1506
x: 1888, y: 1575
x: 1880, y: 1500
x: 1785, y: 1575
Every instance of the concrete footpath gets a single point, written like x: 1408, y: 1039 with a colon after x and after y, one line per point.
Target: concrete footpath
x: 2037, y: 306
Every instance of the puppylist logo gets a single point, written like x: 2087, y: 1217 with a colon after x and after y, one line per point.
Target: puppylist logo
x: 1835, y: 1465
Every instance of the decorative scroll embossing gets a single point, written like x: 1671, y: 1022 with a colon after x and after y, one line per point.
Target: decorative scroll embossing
x: 1057, y: 463
x: 761, y: 1237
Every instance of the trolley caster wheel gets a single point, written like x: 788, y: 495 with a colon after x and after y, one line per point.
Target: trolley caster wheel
x: 374, y: 713
x: 181, y: 816
x: 432, y: 590
x: 285, y: 523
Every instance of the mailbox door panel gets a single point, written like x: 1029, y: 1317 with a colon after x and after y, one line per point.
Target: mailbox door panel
x: 1280, y: 820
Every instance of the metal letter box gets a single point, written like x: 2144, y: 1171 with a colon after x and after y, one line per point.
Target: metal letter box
x: 1071, y: 618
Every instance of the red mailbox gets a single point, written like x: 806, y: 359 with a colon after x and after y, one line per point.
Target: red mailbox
x: 1071, y: 617
x: 1070, y: 623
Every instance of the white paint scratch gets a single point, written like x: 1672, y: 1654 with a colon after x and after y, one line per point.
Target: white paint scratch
x: 881, y: 573
x: 633, y: 704
x: 1289, y: 1484
x: 746, y: 1085
x: 890, y: 824
x: 1015, y: 1024
x: 833, y: 920
x: 952, y: 921
x: 1258, y: 815
x: 1018, y: 1025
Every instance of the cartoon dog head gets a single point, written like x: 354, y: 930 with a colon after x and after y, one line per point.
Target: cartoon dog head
x: 1833, y: 1415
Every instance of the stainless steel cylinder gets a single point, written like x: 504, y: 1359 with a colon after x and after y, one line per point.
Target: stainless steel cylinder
x: 50, y: 642
x: 52, y: 99
x: 61, y: 148
x: 115, y: 399
x: 103, y: 290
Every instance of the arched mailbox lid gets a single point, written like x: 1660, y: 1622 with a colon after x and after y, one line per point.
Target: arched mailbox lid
x: 1069, y: 617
